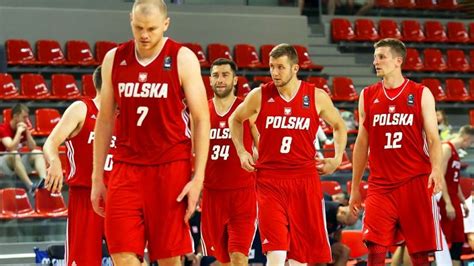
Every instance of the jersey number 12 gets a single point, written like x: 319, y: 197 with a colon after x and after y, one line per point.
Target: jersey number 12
x: 393, y: 140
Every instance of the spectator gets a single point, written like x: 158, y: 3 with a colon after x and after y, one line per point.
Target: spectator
x: 444, y: 127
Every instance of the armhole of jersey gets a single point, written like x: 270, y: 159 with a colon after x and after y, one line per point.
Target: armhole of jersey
x: 262, y: 102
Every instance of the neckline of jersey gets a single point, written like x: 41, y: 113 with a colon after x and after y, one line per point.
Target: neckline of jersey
x: 294, y: 95
x: 226, y: 112
x: 153, y: 59
x: 403, y: 86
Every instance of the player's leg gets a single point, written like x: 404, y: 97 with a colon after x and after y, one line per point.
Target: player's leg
x: 12, y: 163
x: 173, y: 261
x: 420, y: 258
x: 276, y: 257
x: 125, y: 258
x: 36, y: 159
x: 238, y: 259
x: 340, y: 254
x: 377, y: 254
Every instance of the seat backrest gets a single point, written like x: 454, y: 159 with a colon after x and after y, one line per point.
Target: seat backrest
x: 467, y: 184
x: 33, y: 86
x: 101, y: 49
x: 19, y: 52
x: 218, y: 50
x: 435, y: 87
x: 354, y: 240
x: 64, y: 86
x: 433, y: 59
x: 456, y: 90
x: 407, y: 4
x: 46, y: 120
x: 199, y: 52
x: 341, y: 30
x: 456, y: 60
x: 331, y: 187
x: 8, y: 88
x: 365, y: 28
x: 265, y: 50
x: 388, y: 28
x: 79, y: 52
x: 363, y: 187
x: 303, y: 55
x: 411, y: 31
x: 412, y: 60
x: 447, y: 4
x: 321, y: 83
x: 384, y: 3
x: 343, y: 87
x: 88, y: 88
x: 471, y: 117
x: 457, y: 32
x: 243, y: 87
x: 15, y: 203
x: 246, y: 56
x: 49, y: 52
x: 425, y: 4
x: 434, y: 31
x: 50, y: 204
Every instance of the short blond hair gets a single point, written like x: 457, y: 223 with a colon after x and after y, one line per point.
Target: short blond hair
x: 396, y: 46
x: 144, y: 6
x: 285, y: 49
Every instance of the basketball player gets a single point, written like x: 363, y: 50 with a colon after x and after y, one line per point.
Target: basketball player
x: 76, y: 127
x: 290, y: 201
x: 450, y: 203
x: 152, y: 81
x: 398, y: 126
x: 229, y: 204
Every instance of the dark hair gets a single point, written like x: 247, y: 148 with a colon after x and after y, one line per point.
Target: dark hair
x: 18, y: 108
x: 466, y: 130
x: 97, y: 78
x: 285, y: 49
x: 225, y: 61
x: 396, y: 46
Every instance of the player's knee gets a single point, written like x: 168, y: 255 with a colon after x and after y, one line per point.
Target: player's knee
x: 238, y: 259
x: 125, y: 259
x: 276, y: 257
x: 296, y: 263
x: 173, y: 261
x: 420, y: 259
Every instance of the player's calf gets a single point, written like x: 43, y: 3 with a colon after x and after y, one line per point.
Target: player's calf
x: 125, y: 259
x: 238, y: 259
x: 173, y: 261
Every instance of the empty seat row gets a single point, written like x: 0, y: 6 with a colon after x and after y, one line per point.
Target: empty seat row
x: 14, y: 204
x: 34, y: 87
x: 419, y: 4
x: 246, y: 56
x: 434, y: 61
x: 454, y: 91
x: 45, y: 120
x: 50, y: 52
x: 411, y: 31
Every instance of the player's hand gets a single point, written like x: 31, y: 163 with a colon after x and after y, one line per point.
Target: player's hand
x: 195, y: 259
x: 54, y: 177
x: 21, y: 127
x: 326, y: 166
x: 466, y: 209
x: 192, y: 190
x: 247, y: 161
x: 434, y: 181
x: 355, y: 202
x: 98, y: 194
x: 450, y: 212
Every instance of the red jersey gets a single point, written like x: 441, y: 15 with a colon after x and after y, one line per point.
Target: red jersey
x: 453, y: 174
x: 7, y: 131
x: 153, y: 117
x: 397, y: 147
x: 287, y: 131
x: 223, y: 170
x: 79, y: 150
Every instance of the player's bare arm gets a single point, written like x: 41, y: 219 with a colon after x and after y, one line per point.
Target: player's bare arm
x: 463, y: 201
x: 247, y: 109
x: 330, y: 114
x: 360, y: 155
x: 191, y: 81
x: 69, y: 126
x: 430, y: 126
x: 255, y: 136
x: 12, y: 144
x: 103, y: 132
x: 450, y: 212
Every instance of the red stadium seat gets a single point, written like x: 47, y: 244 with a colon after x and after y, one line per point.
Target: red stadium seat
x: 101, y: 49
x: 435, y: 87
x: 79, y: 53
x: 384, y: 3
x: 246, y: 56
x: 49, y: 204
x: 405, y: 4
x: 88, y: 88
x: 329, y: 152
x: 207, y: 84
x: 331, y: 187
x: 8, y: 89
x: 434, y: 60
x: 471, y: 117
x: 471, y: 90
x: 354, y: 240
x: 46, y: 120
x: 447, y: 5
x: 471, y: 60
x: 343, y: 89
x: 341, y: 30
x: 365, y: 30
x: 411, y: 31
x: 388, y: 28
x: 456, y: 90
x: 265, y: 50
x: 243, y: 87
x: 49, y: 52
x: 363, y: 187
x: 425, y: 4
x: 14, y: 203
x: 33, y: 86
x: 467, y: 184
x: 321, y: 83
x: 457, y: 61
x: 218, y: 50
x: 19, y: 52
x: 412, y: 61
x: 304, y: 60
x: 471, y: 32
x: 63, y: 158
x: 63, y: 86
x: 434, y: 31
x: 199, y: 52
x: 457, y: 32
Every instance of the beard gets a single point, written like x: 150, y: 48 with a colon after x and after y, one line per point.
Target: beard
x: 283, y: 83
x: 223, y: 94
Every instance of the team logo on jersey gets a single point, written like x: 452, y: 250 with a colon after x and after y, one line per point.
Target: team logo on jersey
x: 123, y: 63
x: 222, y: 124
x: 287, y: 111
x: 411, y: 99
x: 391, y: 109
x: 271, y: 100
x: 167, y: 63
x: 142, y: 76
x: 305, y: 101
